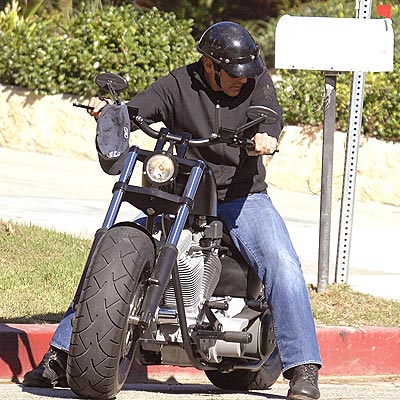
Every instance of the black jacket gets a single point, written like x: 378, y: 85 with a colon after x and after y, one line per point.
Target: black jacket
x: 185, y: 103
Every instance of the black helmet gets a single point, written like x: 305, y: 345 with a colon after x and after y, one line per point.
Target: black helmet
x: 231, y: 47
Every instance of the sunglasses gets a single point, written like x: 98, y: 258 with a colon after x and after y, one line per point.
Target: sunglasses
x: 233, y: 76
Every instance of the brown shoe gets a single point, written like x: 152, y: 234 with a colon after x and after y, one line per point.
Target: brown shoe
x: 50, y: 372
x: 303, y: 382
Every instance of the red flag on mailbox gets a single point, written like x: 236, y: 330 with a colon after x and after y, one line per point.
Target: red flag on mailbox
x: 384, y: 10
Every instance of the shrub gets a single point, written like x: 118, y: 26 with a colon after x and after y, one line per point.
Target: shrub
x: 55, y: 55
x: 301, y: 94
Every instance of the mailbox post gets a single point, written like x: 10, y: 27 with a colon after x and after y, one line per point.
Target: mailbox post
x: 326, y: 180
x: 333, y: 45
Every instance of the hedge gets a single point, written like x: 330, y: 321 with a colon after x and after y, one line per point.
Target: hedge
x: 53, y: 55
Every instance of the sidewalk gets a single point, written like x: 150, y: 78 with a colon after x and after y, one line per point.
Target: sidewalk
x: 72, y: 195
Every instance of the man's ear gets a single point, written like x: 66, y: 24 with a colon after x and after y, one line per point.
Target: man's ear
x: 208, y: 65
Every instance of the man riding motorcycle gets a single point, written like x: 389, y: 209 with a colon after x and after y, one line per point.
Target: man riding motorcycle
x: 199, y: 98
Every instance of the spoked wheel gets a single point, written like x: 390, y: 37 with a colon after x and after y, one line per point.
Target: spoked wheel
x: 103, y: 338
x: 248, y: 380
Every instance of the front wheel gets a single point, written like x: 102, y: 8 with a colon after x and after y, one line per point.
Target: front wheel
x: 103, y: 338
x: 248, y: 380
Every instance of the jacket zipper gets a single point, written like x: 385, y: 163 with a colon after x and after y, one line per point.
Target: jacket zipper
x: 217, y: 116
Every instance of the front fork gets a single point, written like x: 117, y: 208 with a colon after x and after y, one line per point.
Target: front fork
x: 168, y: 253
x: 118, y: 193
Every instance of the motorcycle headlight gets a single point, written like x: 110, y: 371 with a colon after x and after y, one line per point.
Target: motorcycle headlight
x: 159, y: 168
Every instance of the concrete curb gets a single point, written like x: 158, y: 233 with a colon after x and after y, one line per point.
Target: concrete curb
x: 345, y: 352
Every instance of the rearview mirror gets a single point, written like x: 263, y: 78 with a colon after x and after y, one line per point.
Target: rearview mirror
x: 107, y: 79
x: 265, y: 114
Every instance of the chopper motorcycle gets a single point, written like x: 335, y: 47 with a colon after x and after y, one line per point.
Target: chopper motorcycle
x: 173, y: 290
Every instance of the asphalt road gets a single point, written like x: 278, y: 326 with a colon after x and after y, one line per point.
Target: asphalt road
x: 340, y: 390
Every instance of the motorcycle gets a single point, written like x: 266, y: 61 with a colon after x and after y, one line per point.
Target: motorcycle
x: 175, y: 290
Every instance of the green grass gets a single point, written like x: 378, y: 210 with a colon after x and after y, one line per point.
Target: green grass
x: 341, y: 306
x: 39, y: 271
x: 41, y: 268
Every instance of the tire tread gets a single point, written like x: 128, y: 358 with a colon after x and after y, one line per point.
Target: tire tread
x: 121, y: 256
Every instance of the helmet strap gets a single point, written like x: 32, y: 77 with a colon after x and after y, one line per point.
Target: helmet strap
x: 217, y: 77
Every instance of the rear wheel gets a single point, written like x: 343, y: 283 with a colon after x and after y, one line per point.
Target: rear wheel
x: 103, y: 338
x: 248, y: 380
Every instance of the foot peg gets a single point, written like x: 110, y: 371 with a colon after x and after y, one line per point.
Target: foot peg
x: 228, y: 336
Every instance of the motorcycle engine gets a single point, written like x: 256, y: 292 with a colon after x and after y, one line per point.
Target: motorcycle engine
x: 199, y: 272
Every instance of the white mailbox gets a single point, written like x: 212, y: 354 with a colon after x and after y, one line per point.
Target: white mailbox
x: 334, y: 44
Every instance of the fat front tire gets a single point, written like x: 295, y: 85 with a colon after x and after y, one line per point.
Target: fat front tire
x: 248, y: 380
x: 103, y: 338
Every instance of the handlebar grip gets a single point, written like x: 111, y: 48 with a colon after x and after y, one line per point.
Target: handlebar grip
x: 250, y: 144
x: 83, y: 106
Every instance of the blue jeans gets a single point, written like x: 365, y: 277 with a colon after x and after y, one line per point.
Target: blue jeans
x: 260, y: 234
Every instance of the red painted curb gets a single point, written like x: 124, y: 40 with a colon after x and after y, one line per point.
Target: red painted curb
x: 359, y: 351
x: 22, y: 347
x: 345, y: 352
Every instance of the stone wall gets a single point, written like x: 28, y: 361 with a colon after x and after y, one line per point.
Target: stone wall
x: 297, y: 166
x: 51, y: 125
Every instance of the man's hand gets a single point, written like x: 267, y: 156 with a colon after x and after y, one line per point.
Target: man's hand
x: 97, y: 103
x: 264, y: 144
